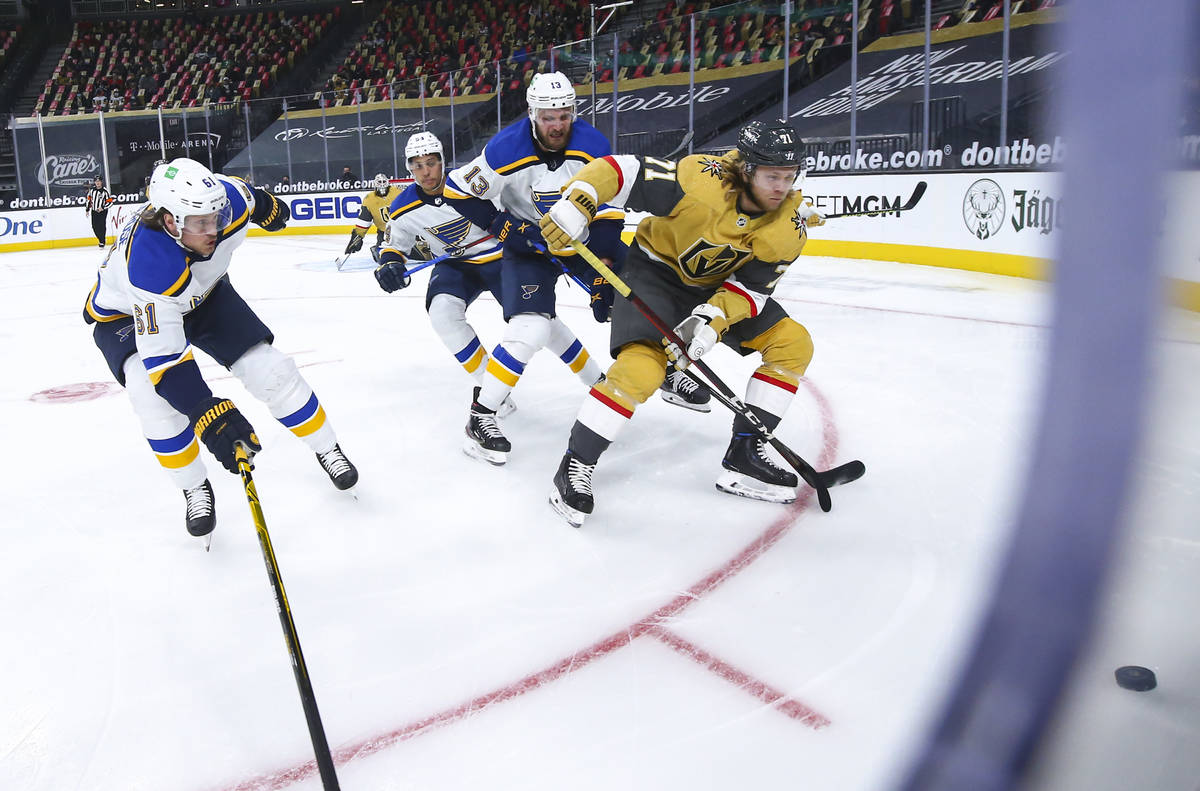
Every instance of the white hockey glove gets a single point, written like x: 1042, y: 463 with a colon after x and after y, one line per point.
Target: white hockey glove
x: 696, y: 331
x: 569, y: 217
x: 809, y: 215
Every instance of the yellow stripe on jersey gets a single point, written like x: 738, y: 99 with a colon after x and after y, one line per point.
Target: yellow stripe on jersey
x: 312, y: 424
x: 472, y: 364
x: 178, y: 285
x: 520, y: 163
x: 580, y: 361
x: 406, y: 208
x: 173, y: 461
x: 486, y: 259
x: 497, y: 369
x: 157, y: 374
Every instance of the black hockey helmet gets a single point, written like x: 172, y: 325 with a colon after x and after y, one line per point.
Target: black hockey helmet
x: 769, y: 143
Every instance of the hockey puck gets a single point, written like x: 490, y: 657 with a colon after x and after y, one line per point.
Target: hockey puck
x: 1136, y: 677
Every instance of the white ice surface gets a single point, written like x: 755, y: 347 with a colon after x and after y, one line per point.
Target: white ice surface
x: 459, y: 634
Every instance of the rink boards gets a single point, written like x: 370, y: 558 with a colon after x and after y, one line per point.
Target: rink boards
x: 1005, y: 223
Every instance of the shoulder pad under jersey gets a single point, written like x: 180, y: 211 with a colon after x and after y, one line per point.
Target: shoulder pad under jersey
x: 511, y: 148
x: 783, y: 238
x: 156, y: 263
x: 587, y: 142
x: 699, y: 175
x: 406, y: 201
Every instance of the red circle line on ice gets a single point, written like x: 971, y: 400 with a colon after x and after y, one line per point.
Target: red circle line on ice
x: 651, y: 627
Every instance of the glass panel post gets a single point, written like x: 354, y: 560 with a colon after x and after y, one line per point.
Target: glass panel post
x: 249, y: 145
x: 1004, y: 78
x: 103, y: 150
x: 324, y: 137
x: 162, y: 137
x: 42, y: 146
x: 287, y: 138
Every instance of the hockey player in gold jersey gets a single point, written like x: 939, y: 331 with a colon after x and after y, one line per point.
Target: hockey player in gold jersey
x: 723, y: 231
x: 375, y: 209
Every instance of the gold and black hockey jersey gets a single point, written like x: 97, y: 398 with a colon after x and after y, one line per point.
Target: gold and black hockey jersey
x: 697, y: 228
x: 375, y: 209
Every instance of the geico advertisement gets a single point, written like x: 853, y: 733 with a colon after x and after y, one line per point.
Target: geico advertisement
x: 339, y: 208
x: 1008, y: 213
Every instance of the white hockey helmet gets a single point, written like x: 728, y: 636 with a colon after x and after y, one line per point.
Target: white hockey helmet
x: 421, y: 144
x: 188, y: 190
x: 551, y: 91
x: 381, y: 182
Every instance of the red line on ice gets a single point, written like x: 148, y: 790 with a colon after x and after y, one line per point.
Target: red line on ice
x: 651, y: 625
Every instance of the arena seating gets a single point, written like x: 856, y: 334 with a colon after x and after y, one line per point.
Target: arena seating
x: 7, y: 39
x: 148, y: 63
x: 454, y: 36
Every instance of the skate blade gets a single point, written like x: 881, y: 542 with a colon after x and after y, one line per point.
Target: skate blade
x: 744, y: 486
x: 574, y: 518
x: 507, y: 407
x: 494, y: 457
x: 677, y: 400
x: 207, y: 539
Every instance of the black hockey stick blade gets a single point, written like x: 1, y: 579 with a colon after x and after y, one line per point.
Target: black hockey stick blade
x: 910, y: 204
x: 849, y: 472
x: 683, y: 144
x: 805, y: 471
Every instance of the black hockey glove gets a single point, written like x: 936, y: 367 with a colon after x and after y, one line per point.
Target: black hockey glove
x: 355, y: 243
x: 392, y: 276
x: 220, y: 427
x: 523, y: 235
x: 270, y: 213
x: 602, y: 299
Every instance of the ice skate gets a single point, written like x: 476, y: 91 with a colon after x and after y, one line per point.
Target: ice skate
x: 341, y: 472
x: 682, y: 390
x: 485, y: 441
x: 572, y: 493
x: 201, y: 512
x: 507, y: 406
x: 751, y: 472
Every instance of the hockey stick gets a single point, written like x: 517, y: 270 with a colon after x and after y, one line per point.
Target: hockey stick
x: 909, y: 205
x: 820, y: 482
x: 446, y: 256
x: 316, y: 730
x: 682, y: 144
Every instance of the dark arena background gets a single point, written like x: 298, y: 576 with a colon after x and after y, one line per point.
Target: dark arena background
x: 1006, y: 333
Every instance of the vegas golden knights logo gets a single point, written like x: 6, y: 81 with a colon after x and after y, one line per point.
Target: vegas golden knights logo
x: 705, y: 260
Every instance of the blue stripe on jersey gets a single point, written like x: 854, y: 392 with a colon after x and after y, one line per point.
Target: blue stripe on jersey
x: 156, y: 362
x: 174, y: 444
x: 302, y: 414
x: 467, y: 351
x: 572, y: 352
x: 501, y: 355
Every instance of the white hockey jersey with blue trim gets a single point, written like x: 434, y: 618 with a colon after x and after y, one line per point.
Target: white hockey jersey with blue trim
x: 417, y: 217
x: 148, y: 276
x: 523, y: 179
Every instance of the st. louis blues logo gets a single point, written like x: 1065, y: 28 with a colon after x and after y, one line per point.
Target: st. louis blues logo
x: 544, y: 200
x: 527, y: 291
x: 452, y: 235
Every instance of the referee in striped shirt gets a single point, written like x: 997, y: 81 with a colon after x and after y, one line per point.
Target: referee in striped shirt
x: 97, y: 202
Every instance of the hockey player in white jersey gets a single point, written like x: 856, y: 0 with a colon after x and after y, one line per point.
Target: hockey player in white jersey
x: 420, y: 216
x: 164, y: 289
x: 522, y: 170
